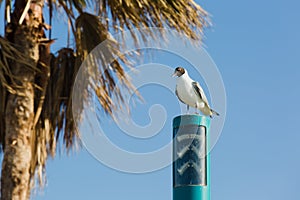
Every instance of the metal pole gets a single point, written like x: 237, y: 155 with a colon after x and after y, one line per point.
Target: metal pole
x: 191, y: 166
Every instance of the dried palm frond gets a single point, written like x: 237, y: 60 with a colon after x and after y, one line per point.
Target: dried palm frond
x: 7, y: 10
x: 185, y: 16
x: 56, y: 116
x: 103, y: 67
x: 59, y: 96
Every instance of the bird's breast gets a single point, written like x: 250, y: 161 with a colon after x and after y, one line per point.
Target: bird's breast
x: 186, y: 93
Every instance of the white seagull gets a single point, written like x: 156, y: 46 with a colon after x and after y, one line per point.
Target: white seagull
x: 191, y: 93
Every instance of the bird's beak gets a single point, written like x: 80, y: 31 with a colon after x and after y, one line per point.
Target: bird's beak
x: 175, y: 74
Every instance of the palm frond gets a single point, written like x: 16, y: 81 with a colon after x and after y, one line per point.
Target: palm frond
x: 56, y: 116
x: 64, y: 70
x: 78, y: 4
x: 50, y: 3
x: 69, y: 12
x: 104, y: 69
x: 7, y: 10
x: 186, y: 17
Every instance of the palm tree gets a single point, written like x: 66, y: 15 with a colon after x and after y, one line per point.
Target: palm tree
x: 36, y: 85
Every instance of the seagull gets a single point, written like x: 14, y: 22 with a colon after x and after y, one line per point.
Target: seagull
x: 191, y: 93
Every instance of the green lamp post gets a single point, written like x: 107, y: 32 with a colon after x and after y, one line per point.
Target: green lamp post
x: 191, y: 166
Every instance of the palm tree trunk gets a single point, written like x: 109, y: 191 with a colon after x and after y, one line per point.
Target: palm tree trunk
x: 15, y: 178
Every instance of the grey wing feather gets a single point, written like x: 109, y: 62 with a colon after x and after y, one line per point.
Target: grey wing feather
x: 178, y: 95
x: 199, y: 91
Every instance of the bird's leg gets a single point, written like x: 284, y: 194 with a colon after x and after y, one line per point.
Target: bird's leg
x: 196, y: 109
x: 187, y: 109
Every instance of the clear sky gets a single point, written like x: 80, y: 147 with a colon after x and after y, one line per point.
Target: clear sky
x: 256, y: 46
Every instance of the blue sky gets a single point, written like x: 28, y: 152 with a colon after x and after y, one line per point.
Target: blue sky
x: 256, y: 46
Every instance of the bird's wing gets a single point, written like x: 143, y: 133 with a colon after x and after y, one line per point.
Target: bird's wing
x: 176, y: 92
x: 199, y: 91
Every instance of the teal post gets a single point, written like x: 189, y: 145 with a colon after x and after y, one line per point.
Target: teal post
x: 191, y: 160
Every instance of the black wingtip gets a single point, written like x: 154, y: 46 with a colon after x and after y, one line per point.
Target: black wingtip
x: 214, y: 113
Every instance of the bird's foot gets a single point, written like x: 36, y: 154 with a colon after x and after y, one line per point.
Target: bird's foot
x: 187, y: 109
x: 196, y: 111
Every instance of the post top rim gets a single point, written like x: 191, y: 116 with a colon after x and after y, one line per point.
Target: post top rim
x: 190, y: 119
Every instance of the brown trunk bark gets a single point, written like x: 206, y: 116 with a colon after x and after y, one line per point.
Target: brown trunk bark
x: 15, y: 177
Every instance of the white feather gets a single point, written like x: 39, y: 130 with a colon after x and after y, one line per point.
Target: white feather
x: 191, y: 93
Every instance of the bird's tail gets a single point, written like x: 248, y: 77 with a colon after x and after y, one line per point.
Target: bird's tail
x: 214, y: 113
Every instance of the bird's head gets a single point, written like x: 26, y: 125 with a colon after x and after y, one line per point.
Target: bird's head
x: 179, y: 71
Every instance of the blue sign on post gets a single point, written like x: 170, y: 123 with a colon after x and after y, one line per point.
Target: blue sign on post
x: 191, y: 174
